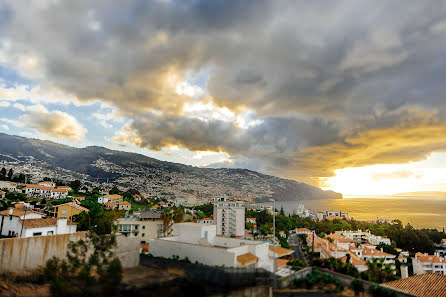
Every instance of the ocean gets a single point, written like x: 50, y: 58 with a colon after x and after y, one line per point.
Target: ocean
x: 427, y: 212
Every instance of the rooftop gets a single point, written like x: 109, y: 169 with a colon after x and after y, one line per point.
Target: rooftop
x: 246, y: 259
x: 423, y: 285
x: 37, y: 223
x: 430, y: 258
x: 280, y: 251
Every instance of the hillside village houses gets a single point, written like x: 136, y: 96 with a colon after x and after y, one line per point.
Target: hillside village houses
x: 200, y: 243
x: 8, y: 185
x: 340, y: 246
x: 22, y: 223
x: 45, y: 190
x: 111, y: 200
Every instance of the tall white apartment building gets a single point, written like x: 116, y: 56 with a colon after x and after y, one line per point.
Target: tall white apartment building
x: 229, y: 216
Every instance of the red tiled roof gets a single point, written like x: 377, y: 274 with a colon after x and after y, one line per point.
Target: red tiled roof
x: 37, y: 223
x: 340, y: 238
x: 375, y: 252
x: 18, y: 212
x: 281, y: 262
x: 59, y: 190
x: 430, y: 258
x: 280, y: 251
x: 303, y: 229
x: 246, y: 259
x: 125, y: 203
x: 423, y: 285
x: 33, y: 186
x: 74, y: 205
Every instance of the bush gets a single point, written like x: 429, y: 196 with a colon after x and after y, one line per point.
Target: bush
x: 378, y: 291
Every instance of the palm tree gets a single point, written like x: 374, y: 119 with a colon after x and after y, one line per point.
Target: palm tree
x: 378, y: 271
x: 167, y: 217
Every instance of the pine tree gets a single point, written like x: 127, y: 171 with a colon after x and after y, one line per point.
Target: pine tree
x: 3, y: 173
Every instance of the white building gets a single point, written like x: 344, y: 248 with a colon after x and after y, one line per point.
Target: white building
x: 146, y: 225
x: 48, y: 184
x: 59, y: 193
x: 199, y: 242
x: 229, y: 216
x: 424, y: 263
x: 19, y: 223
x: 300, y: 231
x: 364, y: 237
x: 333, y: 214
x: 10, y: 186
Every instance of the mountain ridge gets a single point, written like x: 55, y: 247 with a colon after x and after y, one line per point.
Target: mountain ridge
x: 96, y: 164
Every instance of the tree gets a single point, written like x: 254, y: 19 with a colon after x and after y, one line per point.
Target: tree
x: 379, y: 272
x: 75, y: 185
x: 10, y: 174
x: 91, y: 268
x: 3, y: 173
x: 115, y: 190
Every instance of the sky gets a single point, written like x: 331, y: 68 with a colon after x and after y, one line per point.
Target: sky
x: 344, y: 95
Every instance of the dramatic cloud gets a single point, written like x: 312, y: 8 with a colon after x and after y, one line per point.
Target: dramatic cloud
x: 293, y: 88
x: 55, y: 124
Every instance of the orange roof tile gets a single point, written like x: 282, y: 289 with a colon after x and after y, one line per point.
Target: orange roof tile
x: 125, y: 203
x: 280, y: 251
x: 246, y: 259
x: 18, y: 212
x: 33, y: 186
x: 430, y: 258
x: 375, y: 252
x: 74, y: 205
x: 281, y: 262
x: 37, y: 223
x: 423, y: 285
x: 60, y: 190
x: 303, y: 229
x: 340, y: 238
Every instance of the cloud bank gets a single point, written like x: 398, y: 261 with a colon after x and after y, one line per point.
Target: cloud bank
x: 293, y: 88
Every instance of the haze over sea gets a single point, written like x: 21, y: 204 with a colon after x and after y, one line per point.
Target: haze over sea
x: 426, y: 212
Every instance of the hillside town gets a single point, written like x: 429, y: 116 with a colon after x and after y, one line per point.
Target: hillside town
x: 220, y: 231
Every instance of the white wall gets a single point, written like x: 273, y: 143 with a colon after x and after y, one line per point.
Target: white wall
x: 203, y: 254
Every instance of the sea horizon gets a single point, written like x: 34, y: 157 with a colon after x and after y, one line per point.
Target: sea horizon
x: 426, y: 212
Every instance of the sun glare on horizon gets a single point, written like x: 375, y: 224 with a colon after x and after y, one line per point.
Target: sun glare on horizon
x: 388, y: 179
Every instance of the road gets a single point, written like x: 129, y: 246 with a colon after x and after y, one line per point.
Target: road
x: 294, y: 242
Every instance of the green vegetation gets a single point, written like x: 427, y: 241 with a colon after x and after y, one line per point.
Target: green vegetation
x: 337, y: 265
x: 91, y: 268
x: 317, y: 280
x: 404, y: 237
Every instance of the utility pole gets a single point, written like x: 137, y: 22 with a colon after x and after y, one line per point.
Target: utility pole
x: 312, y: 249
x: 274, y: 244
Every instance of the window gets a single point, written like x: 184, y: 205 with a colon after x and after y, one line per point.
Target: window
x: 206, y: 235
x: 49, y: 233
x: 144, y: 227
x: 64, y: 213
x: 37, y: 233
x: 143, y: 234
